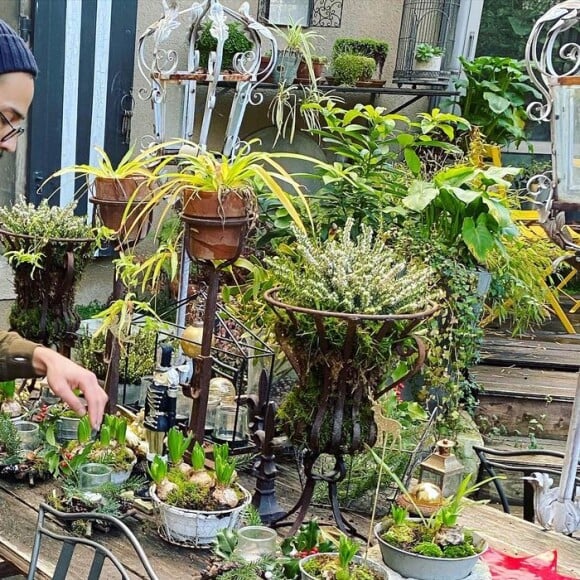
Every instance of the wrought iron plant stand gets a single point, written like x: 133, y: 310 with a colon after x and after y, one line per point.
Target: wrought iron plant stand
x: 342, y: 421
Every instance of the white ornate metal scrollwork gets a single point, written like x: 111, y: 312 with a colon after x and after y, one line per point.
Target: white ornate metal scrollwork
x: 160, y: 66
x: 541, y: 51
x: 557, y: 508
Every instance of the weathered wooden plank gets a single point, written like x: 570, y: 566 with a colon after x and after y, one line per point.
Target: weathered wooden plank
x: 501, y: 351
x: 512, y: 416
x: 520, y: 538
x: 529, y: 383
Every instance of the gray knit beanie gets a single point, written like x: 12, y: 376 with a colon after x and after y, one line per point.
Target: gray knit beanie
x: 15, y: 56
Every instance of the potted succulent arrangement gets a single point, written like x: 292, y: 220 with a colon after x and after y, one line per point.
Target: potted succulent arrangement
x: 342, y: 565
x: 194, y: 502
x: 48, y: 249
x: 428, y: 57
x: 435, y: 548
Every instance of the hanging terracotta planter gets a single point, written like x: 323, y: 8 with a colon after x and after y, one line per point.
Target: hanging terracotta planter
x: 216, y: 225
x: 110, y: 201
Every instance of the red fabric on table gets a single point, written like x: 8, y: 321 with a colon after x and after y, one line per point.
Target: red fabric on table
x: 539, y: 567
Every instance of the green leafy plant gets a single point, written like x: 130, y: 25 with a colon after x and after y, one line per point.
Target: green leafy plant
x: 494, y: 97
x: 236, y: 42
x: 461, y: 205
x: 375, y: 49
x: 425, y: 52
x: 350, y: 68
x: 84, y: 430
x: 177, y: 445
x: 225, y: 467
x: 157, y: 470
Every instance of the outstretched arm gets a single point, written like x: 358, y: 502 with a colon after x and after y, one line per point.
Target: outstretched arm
x: 63, y: 376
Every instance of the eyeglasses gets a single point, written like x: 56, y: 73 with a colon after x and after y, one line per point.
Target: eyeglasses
x: 14, y: 131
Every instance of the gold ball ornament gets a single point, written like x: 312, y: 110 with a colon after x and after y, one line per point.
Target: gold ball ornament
x: 191, y: 340
x: 427, y: 494
x: 222, y: 389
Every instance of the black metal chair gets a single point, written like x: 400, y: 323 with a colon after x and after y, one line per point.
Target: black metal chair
x: 71, y: 542
x: 493, y: 461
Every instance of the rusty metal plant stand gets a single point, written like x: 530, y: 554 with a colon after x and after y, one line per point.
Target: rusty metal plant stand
x: 343, y: 393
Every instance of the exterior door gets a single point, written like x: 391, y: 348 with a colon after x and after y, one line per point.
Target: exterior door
x: 85, y: 52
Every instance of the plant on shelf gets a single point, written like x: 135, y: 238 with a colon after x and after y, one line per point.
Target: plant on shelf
x: 348, y: 69
x: 196, y: 503
x: 48, y: 249
x: 298, y: 46
x: 342, y: 565
x: 368, y: 47
x: 236, y: 43
x: 493, y: 97
x: 426, y: 52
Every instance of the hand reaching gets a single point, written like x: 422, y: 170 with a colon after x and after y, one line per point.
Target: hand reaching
x: 63, y: 376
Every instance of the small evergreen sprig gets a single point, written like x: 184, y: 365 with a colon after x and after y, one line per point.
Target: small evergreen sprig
x: 363, y: 275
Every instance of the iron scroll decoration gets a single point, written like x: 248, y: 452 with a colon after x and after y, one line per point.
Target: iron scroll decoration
x: 541, y: 50
x: 324, y: 13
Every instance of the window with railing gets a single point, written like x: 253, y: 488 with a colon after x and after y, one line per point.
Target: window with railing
x: 319, y: 13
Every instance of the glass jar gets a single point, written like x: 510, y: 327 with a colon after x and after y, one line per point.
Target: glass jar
x: 255, y: 542
x: 212, y: 406
x: 93, y: 475
x: 231, y: 424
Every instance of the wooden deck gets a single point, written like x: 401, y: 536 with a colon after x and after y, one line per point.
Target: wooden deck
x: 18, y: 505
x: 525, y: 379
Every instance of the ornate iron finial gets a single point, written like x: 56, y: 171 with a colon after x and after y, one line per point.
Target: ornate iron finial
x: 540, y: 54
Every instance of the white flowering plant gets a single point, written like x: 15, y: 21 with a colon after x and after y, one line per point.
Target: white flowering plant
x: 346, y: 361
x: 362, y: 275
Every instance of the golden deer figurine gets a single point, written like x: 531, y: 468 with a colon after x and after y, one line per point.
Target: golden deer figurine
x: 387, y: 427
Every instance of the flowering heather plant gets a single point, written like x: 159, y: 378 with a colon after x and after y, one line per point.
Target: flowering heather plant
x: 362, y: 275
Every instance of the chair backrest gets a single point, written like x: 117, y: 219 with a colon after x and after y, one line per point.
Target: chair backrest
x: 101, y: 554
x: 525, y: 461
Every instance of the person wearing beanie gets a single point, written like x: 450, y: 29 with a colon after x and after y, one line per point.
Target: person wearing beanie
x: 20, y: 358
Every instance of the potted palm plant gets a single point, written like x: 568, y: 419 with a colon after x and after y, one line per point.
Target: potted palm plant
x: 195, y: 503
x: 218, y: 194
x: 112, y: 186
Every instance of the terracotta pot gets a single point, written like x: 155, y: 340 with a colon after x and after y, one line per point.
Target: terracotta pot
x: 318, y: 68
x: 110, y: 189
x: 110, y: 200
x: 216, y: 225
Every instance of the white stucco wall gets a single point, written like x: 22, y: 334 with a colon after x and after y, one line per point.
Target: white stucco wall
x: 378, y: 19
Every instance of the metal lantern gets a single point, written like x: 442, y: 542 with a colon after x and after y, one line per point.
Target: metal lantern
x: 442, y: 468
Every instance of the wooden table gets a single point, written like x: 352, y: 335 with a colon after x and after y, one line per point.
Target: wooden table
x: 18, y: 505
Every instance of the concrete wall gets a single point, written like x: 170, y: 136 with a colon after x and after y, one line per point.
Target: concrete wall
x: 378, y: 19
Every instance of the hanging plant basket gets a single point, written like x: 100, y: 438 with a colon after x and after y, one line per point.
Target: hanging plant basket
x: 217, y: 224
x: 110, y: 201
x: 45, y: 296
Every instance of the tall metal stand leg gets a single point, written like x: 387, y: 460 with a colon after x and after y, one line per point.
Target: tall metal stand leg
x: 264, y: 498
x: 202, y: 375
x: 113, y: 356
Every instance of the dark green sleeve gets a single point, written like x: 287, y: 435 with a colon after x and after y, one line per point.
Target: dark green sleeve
x: 16, y: 357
